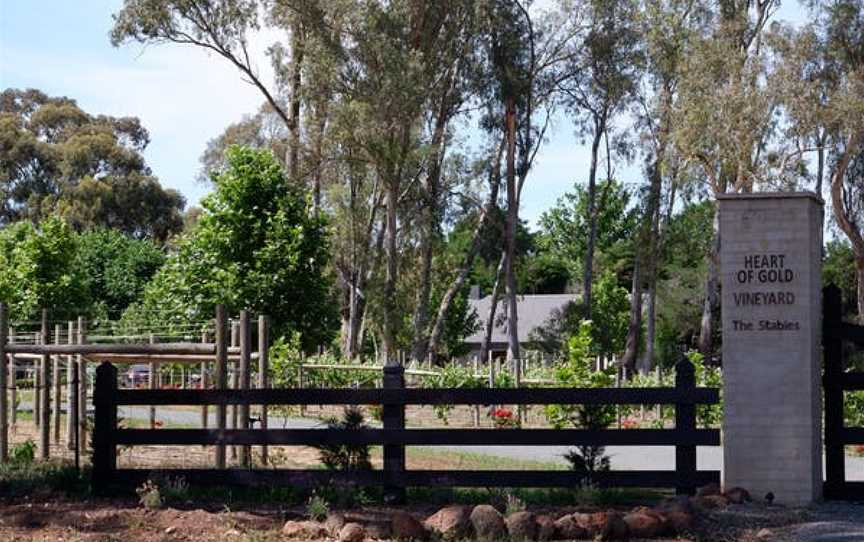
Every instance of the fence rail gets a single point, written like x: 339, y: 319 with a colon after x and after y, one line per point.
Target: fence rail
x: 394, y: 436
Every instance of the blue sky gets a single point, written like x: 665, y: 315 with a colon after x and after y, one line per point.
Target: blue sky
x: 185, y: 96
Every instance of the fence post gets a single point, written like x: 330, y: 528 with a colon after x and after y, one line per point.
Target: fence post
x: 221, y: 378
x: 685, y: 422
x: 835, y: 459
x: 13, y: 381
x: 4, y: 426
x: 263, y: 369
x: 203, y: 385
x: 393, y: 418
x: 152, y: 383
x: 105, y: 423
x: 235, y: 381
x: 71, y: 393
x: 45, y: 397
x: 82, y: 393
x: 245, y: 382
x: 57, y: 385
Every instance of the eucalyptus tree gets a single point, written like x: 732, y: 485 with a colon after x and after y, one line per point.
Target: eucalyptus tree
x: 56, y: 158
x: 667, y: 28
x: 228, y: 28
x: 596, y: 84
x: 725, y: 118
x: 822, y: 82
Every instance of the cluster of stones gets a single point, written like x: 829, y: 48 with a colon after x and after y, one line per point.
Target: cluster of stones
x: 483, y: 522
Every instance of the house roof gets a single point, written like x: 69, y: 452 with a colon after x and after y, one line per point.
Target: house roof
x: 533, y: 310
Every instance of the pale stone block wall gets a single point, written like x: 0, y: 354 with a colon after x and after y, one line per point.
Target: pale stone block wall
x: 771, y: 249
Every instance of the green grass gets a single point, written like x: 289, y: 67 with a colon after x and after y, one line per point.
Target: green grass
x: 54, y: 476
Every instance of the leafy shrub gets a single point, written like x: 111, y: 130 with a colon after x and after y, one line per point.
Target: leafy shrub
x: 149, y: 495
x: 346, y: 456
x: 23, y: 454
x: 576, y: 372
x: 317, y: 508
x: 452, y: 375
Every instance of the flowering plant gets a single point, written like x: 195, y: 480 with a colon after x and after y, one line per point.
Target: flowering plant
x: 503, y: 418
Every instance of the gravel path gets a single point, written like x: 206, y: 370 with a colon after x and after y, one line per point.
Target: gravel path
x: 830, y: 522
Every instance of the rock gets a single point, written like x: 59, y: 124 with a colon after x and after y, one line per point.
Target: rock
x: 737, y: 495
x: 521, y: 526
x: 644, y: 522
x: 566, y: 528
x: 334, y: 523
x: 488, y: 523
x: 614, y: 527
x: 711, y: 502
x: 379, y: 530
x: 450, y: 523
x: 352, y: 532
x: 680, y: 513
x: 170, y: 530
x: 404, y: 526
x: 545, y: 528
x: 764, y: 533
x: 710, y: 489
x: 306, y: 530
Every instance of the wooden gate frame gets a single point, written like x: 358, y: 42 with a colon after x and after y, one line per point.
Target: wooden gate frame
x: 837, y: 380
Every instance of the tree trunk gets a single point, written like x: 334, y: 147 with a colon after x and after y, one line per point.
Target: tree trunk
x: 842, y: 214
x: 430, y: 234
x: 473, y: 249
x: 512, y: 222
x: 711, y: 301
x: 390, y: 280
x: 297, y: 52
x: 588, y: 271
x: 631, y: 347
x: 493, y: 307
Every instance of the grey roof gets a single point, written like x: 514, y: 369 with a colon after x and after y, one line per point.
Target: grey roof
x: 533, y: 311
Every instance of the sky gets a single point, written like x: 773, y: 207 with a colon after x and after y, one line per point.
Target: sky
x: 185, y: 96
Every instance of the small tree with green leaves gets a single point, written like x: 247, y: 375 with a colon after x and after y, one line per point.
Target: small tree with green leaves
x: 576, y: 372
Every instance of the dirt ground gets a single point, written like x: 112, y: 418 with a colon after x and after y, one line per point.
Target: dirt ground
x: 43, y: 520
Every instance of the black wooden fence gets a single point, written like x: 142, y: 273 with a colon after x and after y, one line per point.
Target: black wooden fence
x: 393, y: 397
x: 836, y: 381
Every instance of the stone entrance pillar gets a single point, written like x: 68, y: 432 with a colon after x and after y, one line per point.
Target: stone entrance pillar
x: 771, y: 276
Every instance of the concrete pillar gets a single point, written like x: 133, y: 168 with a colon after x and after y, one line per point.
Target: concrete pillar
x: 770, y: 261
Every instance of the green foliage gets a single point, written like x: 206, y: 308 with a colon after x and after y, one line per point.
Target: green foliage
x: 838, y: 268
x: 257, y: 247
x: 38, y: 270
x: 23, y: 454
x: 453, y: 375
x: 564, y: 228
x: 709, y: 377
x: 56, y: 158
x: 149, y: 495
x: 317, y: 508
x: 610, y: 313
x: 115, y: 267
x: 346, y: 456
x: 576, y: 372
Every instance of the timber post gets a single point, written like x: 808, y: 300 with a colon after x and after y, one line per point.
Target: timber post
x: 82, y: 392
x: 685, y: 421
x: 245, y: 382
x: 152, y: 382
x: 57, y: 384
x: 71, y: 399
x: 13, y: 381
x: 203, y: 384
x: 263, y: 370
x: 45, y: 397
x: 4, y: 420
x: 393, y: 419
x: 221, y: 377
x: 105, y: 423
